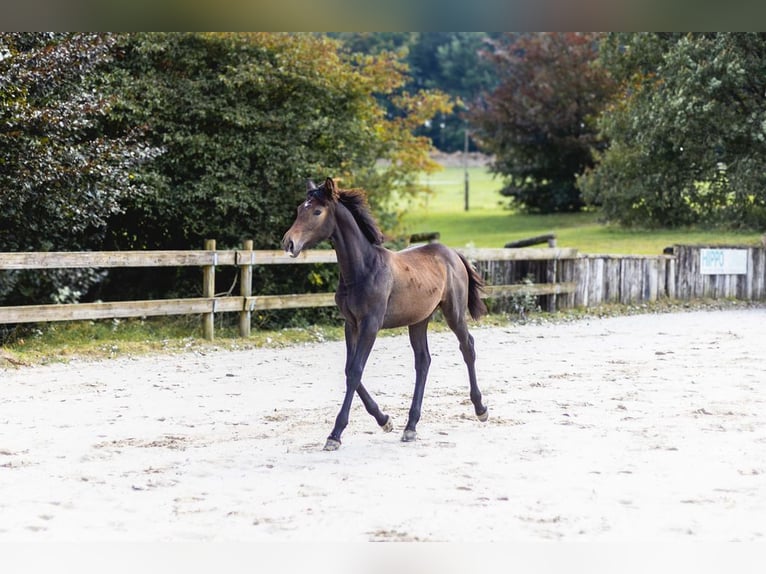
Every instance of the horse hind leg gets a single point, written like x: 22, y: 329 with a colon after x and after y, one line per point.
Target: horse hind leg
x: 457, y: 322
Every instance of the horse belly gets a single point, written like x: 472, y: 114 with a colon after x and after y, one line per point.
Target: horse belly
x: 408, y: 307
x: 419, y: 280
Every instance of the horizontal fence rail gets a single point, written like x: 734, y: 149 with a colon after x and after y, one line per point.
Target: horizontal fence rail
x: 95, y: 259
x: 208, y: 305
x: 558, y: 277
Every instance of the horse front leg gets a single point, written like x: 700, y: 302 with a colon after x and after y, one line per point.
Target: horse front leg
x: 383, y: 420
x: 419, y: 342
x: 358, y: 351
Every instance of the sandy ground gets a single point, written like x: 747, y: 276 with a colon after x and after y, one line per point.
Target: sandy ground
x: 646, y: 427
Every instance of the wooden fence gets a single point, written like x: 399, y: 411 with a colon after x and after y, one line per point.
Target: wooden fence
x: 694, y: 281
x: 630, y: 279
x: 208, y: 305
x: 559, y: 278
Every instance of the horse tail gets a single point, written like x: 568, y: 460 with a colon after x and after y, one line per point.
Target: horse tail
x: 476, y: 306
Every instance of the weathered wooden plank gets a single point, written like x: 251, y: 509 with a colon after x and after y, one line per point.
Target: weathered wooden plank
x: 526, y: 254
x: 612, y: 280
x: 662, y: 276
x: 246, y: 290
x: 279, y: 257
x: 551, y: 276
x: 684, y: 271
x: 759, y: 274
x: 596, y: 291
x: 578, y: 270
x: 290, y: 301
x: 747, y: 284
x: 474, y: 254
x: 651, y: 279
x: 682, y: 275
x: 570, y: 273
x: 66, y: 259
x: 697, y: 277
x: 120, y: 309
x: 294, y: 301
x: 266, y: 257
x: 208, y: 291
x: 626, y: 282
x: 533, y: 289
x: 549, y: 238
x: 671, y: 280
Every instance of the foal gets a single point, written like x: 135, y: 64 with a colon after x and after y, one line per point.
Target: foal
x: 379, y: 289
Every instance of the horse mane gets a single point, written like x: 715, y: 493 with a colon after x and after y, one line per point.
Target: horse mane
x: 355, y: 200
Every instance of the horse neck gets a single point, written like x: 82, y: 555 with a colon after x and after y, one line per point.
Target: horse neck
x: 355, y: 252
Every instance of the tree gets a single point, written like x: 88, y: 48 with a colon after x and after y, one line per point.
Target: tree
x: 540, y: 121
x: 158, y: 141
x: 452, y: 62
x: 688, y: 136
x: 61, y: 177
x: 449, y: 62
x: 375, y: 43
x: 243, y: 120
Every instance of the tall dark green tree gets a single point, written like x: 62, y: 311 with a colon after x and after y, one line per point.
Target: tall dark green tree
x: 540, y: 122
x: 688, y: 135
x: 62, y: 176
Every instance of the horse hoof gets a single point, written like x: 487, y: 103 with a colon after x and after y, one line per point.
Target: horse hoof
x: 388, y: 426
x: 409, y: 436
x: 331, y: 444
x: 484, y: 416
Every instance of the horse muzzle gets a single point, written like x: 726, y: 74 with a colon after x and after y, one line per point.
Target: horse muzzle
x: 291, y: 246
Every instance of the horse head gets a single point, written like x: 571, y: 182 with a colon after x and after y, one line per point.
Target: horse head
x: 315, y: 220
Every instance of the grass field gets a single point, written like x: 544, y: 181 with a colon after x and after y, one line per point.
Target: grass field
x: 489, y: 223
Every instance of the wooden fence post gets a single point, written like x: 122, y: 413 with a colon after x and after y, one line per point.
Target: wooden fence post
x: 208, y: 291
x: 246, y: 288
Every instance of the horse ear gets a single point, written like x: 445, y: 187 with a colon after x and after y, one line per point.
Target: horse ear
x: 331, y: 189
x: 310, y: 185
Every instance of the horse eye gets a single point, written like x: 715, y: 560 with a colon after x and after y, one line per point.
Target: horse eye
x: 317, y: 212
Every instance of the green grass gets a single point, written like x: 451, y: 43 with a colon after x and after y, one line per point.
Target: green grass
x: 104, y: 339
x: 489, y: 223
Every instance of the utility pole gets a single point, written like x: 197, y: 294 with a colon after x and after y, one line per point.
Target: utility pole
x: 465, y: 162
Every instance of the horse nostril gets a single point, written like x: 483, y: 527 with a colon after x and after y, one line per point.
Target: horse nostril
x: 290, y: 246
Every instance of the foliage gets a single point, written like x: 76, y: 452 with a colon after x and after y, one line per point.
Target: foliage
x: 688, y: 135
x: 375, y: 43
x: 540, y: 121
x: 449, y: 62
x: 159, y: 141
x: 452, y: 62
x: 244, y: 119
x: 61, y: 176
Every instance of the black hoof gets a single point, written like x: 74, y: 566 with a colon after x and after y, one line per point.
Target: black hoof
x: 409, y: 436
x: 331, y: 444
